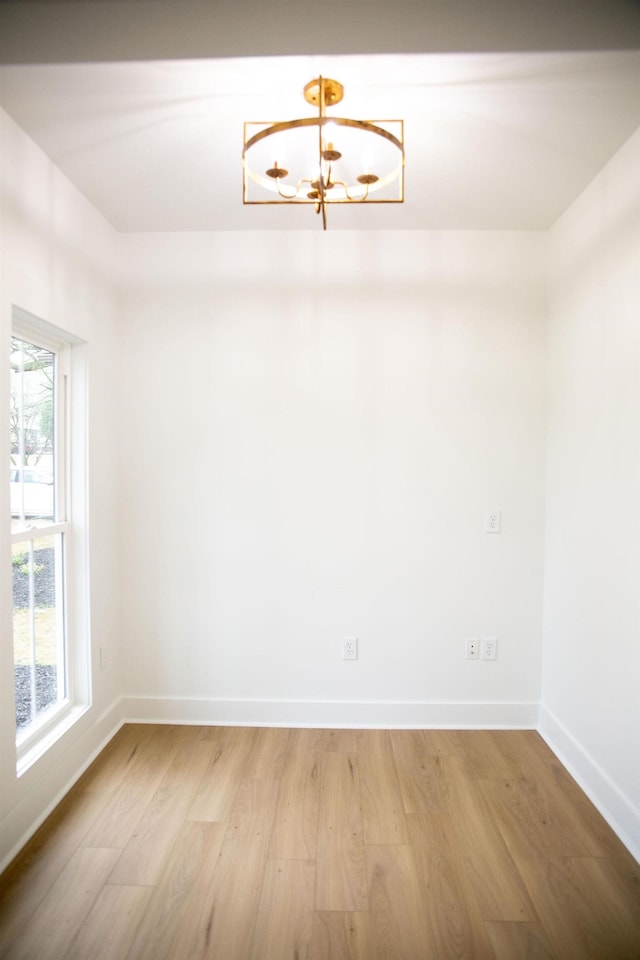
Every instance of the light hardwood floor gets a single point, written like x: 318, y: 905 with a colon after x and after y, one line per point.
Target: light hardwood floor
x: 272, y: 844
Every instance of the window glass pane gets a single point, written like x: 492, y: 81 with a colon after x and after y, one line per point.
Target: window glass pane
x: 32, y: 418
x: 37, y: 627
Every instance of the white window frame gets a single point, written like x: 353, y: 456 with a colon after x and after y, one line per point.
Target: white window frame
x: 70, y: 520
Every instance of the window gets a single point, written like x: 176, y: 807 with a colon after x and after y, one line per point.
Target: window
x: 48, y: 685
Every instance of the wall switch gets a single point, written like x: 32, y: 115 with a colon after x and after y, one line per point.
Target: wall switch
x: 104, y: 658
x: 488, y: 648
x: 492, y: 521
x: 350, y: 648
x: 472, y: 648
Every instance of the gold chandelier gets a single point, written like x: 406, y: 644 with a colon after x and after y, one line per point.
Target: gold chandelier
x: 322, y: 160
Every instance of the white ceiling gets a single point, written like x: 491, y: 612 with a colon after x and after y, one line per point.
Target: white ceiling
x: 493, y: 140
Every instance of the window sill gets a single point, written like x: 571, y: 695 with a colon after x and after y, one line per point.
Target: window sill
x: 33, y: 744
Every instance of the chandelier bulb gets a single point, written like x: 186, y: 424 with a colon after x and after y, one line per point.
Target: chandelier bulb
x: 331, y: 155
x: 276, y: 172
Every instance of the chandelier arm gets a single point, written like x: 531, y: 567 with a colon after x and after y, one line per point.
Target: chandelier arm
x: 345, y: 187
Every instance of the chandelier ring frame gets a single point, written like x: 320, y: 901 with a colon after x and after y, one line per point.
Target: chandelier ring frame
x: 366, y: 125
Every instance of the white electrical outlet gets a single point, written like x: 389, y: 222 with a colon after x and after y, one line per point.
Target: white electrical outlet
x: 472, y: 648
x: 350, y: 648
x: 488, y: 648
x: 492, y: 521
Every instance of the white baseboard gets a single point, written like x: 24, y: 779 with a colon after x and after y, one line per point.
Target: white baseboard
x: 331, y: 713
x: 617, y: 810
x: 28, y: 815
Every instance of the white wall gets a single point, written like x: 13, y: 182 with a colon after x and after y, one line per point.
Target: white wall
x: 591, y: 678
x: 315, y: 425
x: 56, y: 254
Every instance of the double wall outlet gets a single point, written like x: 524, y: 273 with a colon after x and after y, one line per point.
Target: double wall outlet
x: 492, y: 521
x: 350, y: 648
x: 472, y: 648
x: 488, y: 648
